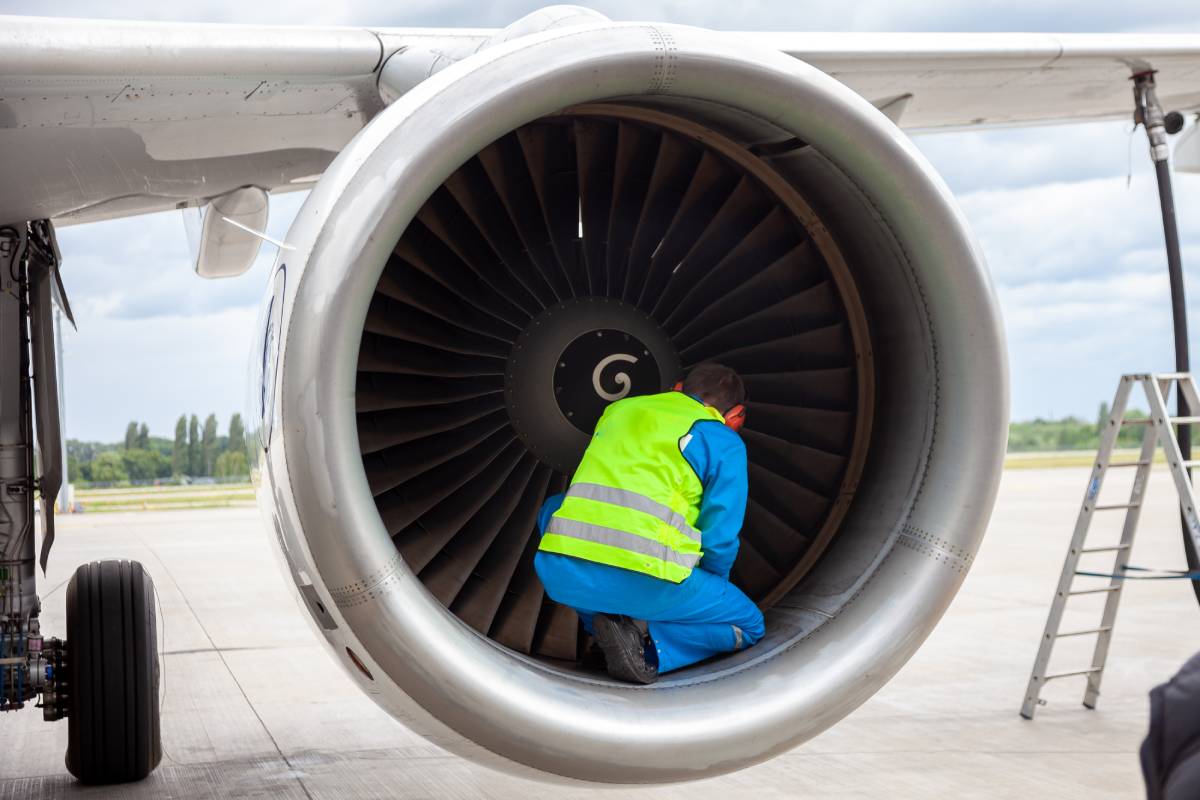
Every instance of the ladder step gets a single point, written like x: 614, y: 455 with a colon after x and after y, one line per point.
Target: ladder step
x: 1083, y: 633
x: 1106, y: 589
x: 1132, y: 464
x: 1070, y: 674
x: 1115, y: 506
x: 1110, y: 549
x: 1186, y: 464
x: 1140, y: 421
x: 1185, y: 420
x: 1173, y: 376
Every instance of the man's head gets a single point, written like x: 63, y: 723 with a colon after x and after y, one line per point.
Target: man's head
x: 716, y: 385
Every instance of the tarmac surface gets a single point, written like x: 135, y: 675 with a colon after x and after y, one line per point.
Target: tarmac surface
x: 254, y: 707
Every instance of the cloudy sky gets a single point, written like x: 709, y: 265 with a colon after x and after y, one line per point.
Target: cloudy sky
x: 1067, y: 217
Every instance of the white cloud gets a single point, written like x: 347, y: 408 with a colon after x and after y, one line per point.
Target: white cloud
x: 928, y: 15
x: 153, y: 370
x: 154, y: 340
x: 1011, y: 158
x: 1088, y: 227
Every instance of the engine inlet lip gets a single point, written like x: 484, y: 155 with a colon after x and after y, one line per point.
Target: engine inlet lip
x: 446, y: 681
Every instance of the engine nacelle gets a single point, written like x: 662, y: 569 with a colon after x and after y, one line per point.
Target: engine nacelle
x: 570, y: 217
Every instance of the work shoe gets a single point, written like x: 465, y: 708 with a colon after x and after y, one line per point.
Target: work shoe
x: 624, y: 648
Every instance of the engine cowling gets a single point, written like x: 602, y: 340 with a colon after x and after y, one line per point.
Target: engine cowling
x: 564, y: 219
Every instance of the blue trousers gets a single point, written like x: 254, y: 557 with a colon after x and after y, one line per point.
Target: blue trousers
x: 688, y: 622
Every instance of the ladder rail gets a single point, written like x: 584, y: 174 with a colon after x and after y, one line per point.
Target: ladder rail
x: 1108, y: 440
x: 1166, y: 440
x: 1108, y: 617
x: 1186, y: 384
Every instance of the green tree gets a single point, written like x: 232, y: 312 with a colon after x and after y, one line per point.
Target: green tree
x: 109, y: 467
x: 209, y: 443
x: 231, y: 464
x: 145, y: 465
x: 195, y: 459
x: 179, y: 451
x: 143, y: 437
x: 237, y: 435
x: 1102, y: 417
x: 131, y: 432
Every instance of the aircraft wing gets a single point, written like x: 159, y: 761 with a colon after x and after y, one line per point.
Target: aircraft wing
x: 960, y: 80
x: 103, y: 119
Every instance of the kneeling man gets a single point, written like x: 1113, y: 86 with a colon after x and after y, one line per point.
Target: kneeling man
x: 643, y: 540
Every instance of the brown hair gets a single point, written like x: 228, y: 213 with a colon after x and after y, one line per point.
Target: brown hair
x: 715, y: 384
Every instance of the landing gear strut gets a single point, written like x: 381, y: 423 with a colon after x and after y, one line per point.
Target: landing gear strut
x: 104, y: 677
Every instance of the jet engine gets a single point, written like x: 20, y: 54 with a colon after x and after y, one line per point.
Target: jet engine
x: 567, y: 218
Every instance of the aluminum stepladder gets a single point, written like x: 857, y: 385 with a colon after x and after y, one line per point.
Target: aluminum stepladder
x: 1158, y: 434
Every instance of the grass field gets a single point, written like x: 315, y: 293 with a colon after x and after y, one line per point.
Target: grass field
x: 162, y: 498
x: 1070, y: 458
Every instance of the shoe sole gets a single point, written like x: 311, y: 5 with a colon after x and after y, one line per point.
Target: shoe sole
x: 619, y: 644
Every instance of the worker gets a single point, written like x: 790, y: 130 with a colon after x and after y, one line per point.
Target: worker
x: 1171, y: 750
x: 642, y: 542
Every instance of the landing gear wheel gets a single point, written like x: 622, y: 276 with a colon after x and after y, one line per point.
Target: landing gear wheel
x: 112, y: 673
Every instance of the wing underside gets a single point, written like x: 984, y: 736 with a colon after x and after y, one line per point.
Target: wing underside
x: 103, y: 119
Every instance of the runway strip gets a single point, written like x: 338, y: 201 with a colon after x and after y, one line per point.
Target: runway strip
x: 255, y: 708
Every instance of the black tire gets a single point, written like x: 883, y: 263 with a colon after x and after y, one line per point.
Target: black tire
x: 112, y: 673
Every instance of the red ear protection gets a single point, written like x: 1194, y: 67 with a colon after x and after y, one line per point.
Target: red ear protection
x: 734, y: 417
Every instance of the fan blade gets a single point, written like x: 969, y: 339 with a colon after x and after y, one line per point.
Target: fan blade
x: 557, y: 632
x: 393, y: 466
x: 798, y: 507
x: 818, y: 428
x: 818, y: 349
x: 380, y: 354
x: 378, y: 391
x: 395, y: 320
x: 445, y: 576
x: 735, y: 219
x: 433, y: 530
x: 831, y: 389
x: 595, y: 147
x: 809, y: 310
x: 516, y: 619
x: 479, y: 601
x: 550, y: 157
x: 473, y: 190
x: 405, y: 504
x: 674, y: 166
x: 768, y: 265
x: 637, y: 148
x: 403, y: 282
x: 504, y: 163
x: 814, y: 469
x: 444, y: 244
x: 710, y: 186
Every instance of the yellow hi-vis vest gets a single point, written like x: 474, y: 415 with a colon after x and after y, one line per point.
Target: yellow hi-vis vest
x: 634, y: 499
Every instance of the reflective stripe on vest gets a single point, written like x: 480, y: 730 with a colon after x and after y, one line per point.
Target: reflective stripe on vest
x: 638, y: 502
x: 611, y: 537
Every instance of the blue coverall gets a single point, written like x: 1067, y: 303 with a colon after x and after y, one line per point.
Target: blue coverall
x: 689, y: 621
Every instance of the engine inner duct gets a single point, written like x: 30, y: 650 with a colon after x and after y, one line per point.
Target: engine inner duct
x: 582, y: 258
